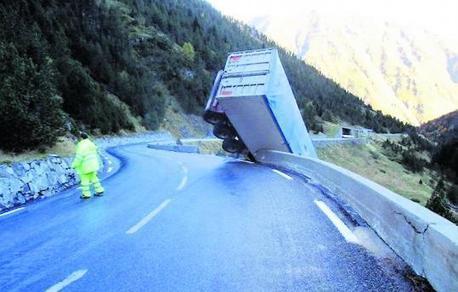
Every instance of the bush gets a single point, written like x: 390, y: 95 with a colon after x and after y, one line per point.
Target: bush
x: 452, y: 195
x: 156, y: 107
x: 446, y: 155
x: 31, y: 110
x: 412, y: 161
x: 438, y: 203
x: 87, y: 102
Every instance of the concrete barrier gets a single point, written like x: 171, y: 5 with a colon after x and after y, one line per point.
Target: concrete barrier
x: 424, y: 240
x: 175, y: 148
x: 325, y: 142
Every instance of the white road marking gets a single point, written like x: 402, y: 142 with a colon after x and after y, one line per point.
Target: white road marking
x: 282, y: 174
x: 343, y: 229
x: 12, y: 211
x: 148, y: 217
x: 184, y: 180
x: 67, y: 281
x: 246, y: 161
x: 110, y: 169
x: 109, y: 162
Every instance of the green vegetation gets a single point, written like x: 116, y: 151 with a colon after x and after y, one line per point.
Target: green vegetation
x: 411, y: 166
x: 375, y: 163
x: 107, y: 65
x: 419, y: 155
x: 443, y: 199
x: 63, y: 147
x: 444, y: 132
x: 331, y: 130
x: 405, y: 153
x: 31, y: 113
x: 182, y: 125
x: 446, y: 155
x: 209, y: 147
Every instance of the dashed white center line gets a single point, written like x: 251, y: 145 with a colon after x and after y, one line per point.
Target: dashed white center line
x: 11, y: 212
x: 343, y: 229
x: 282, y: 174
x: 148, y: 217
x: 184, y: 180
x: 67, y: 281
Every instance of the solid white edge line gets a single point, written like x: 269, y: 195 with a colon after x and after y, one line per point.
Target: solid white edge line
x: 282, y: 174
x: 184, y: 180
x: 148, y: 217
x: 67, y: 281
x: 343, y: 229
x: 12, y: 211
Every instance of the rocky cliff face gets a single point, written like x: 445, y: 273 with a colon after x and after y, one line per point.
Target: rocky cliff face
x: 405, y: 72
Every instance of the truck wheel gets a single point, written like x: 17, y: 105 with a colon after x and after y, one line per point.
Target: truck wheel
x: 214, y: 117
x: 232, y: 145
x: 250, y: 157
x: 223, y: 130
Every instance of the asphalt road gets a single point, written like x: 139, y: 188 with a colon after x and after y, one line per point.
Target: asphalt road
x: 186, y: 222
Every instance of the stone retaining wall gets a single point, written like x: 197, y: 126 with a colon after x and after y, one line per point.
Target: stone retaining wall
x: 22, y: 182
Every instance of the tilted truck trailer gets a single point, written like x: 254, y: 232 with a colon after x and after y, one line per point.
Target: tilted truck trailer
x: 252, y: 107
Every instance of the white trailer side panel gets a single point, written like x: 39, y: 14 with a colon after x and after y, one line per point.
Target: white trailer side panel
x: 256, y: 96
x: 254, y: 123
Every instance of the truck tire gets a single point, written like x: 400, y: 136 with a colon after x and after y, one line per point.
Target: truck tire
x: 224, y: 130
x: 232, y: 145
x: 250, y: 157
x: 214, y: 117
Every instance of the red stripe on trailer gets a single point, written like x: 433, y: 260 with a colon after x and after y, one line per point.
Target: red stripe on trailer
x: 226, y: 92
x: 235, y: 58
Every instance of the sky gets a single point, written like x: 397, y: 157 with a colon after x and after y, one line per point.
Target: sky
x: 438, y: 16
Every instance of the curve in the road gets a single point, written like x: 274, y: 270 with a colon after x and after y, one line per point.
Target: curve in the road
x: 229, y: 226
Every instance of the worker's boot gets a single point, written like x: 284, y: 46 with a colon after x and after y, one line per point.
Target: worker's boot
x: 85, y: 191
x: 97, y: 186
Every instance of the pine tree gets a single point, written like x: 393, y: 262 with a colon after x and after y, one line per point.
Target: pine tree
x: 31, y: 110
x: 188, y: 51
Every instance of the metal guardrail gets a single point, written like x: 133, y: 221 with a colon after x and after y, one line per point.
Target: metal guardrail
x: 175, y: 148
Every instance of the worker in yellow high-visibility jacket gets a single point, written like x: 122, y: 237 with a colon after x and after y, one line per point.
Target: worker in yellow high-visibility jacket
x: 86, y: 164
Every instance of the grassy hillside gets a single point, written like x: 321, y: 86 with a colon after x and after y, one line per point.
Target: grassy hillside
x: 372, y: 162
x: 410, y: 166
x: 108, y: 65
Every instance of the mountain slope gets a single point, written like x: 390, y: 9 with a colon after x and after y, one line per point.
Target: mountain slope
x: 109, y: 64
x: 405, y: 72
x: 443, y: 129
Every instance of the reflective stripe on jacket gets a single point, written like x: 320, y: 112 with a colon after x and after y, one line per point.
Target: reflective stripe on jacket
x: 86, y: 158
